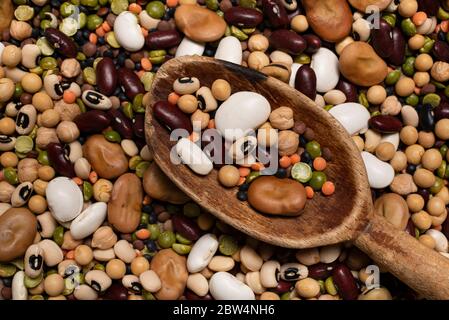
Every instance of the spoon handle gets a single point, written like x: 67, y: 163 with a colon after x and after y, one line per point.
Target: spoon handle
x: 422, y: 269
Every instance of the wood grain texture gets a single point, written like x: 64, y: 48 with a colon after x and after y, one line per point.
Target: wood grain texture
x: 424, y: 270
x: 326, y: 220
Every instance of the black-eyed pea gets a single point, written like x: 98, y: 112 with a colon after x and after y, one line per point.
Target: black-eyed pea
x: 150, y: 281
x: 139, y: 265
x: 293, y: 271
x: 47, y: 224
x: 427, y: 240
x: 21, y: 194
x: 414, y: 153
x: 200, y: 119
x: 11, y: 56
x: 67, y: 131
x: 206, y: 100
x: 307, y: 288
x: 385, y: 151
x: 41, y: 101
x: 54, y: 285
x: 50, y: 118
x: 83, y: 255
x: 422, y: 220
x: 426, y: 139
x: 399, y: 161
x: 37, y: 204
x: 30, y: 54
x: 34, y: 261
x: 132, y: 283
x: 98, y: 280
x: 221, y: 89
x: 26, y: 119
x: 31, y: 83
x: 269, y: 274
x: 186, y: 85
x: 423, y: 178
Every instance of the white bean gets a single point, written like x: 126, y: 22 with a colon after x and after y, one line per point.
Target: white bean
x: 202, y: 252
x: 224, y: 286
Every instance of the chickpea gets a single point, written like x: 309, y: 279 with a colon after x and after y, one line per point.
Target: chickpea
x: 200, y: 118
x: 50, y: 118
x: 257, y: 60
x: 102, y: 190
x: 139, y: 265
x: 442, y: 129
x: 415, y: 202
x: 46, y: 173
x: 258, y: 42
x: 416, y: 42
x: 187, y: 103
x: 299, y: 23
x: 307, y: 288
x: 11, y: 56
x: 221, y: 89
x: 116, y: 269
x: 423, y: 62
x: 426, y: 139
x: 54, y: 285
x: 423, y: 178
x: 67, y: 131
x: 431, y: 159
x: 9, y: 159
x: 422, y: 220
x: 436, y: 206
x: 421, y: 79
x: 7, y: 89
x: 31, y: 83
x: 228, y: 176
x: 83, y: 255
x: 385, y: 151
x: 408, y: 135
x: 40, y: 186
x: 414, y: 153
x: 7, y: 126
x: 427, y: 240
x: 408, y: 8
x: 42, y: 101
x: 37, y: 204
x: 376, y: 94
x: 399, y: 161
x: 405, y: 86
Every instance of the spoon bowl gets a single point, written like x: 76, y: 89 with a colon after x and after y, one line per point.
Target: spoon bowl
x: 347, y: 215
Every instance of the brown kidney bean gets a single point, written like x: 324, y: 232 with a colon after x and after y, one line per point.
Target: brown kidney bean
x: 171, y: 117
x: 287, y: 40
x: 93, y: 121
x: 345, y: 282
x: 276, y: 13
x: 385, y: 124
x: 305, y: 81
x: 428, y: 6
x: 130, y: 82
x: 441, y: 50
x: 381, y: 39
x: 283, y: 286
x: 162, y: 39
x: 120, y: 123
x: 60, y: 160
x: 106, y: 76
x: 243, y: 17
x: 186, y: 227
x: 398, y: 50
x: 139, y: 125
x: 62, y: 43
x: 313, y: 43
x: 320, y: 271
x: 349, y: 89
x: 442, y: 111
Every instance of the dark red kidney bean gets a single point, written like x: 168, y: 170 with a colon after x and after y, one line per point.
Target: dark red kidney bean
x: 320, y: 271
x: 276, y: 13
x: 287, y: 40
x: 313, y: 43
x: 60, y: 161
x: 190, y: 295
x: 398, y: 51
x: 349, y: 89
x: 428, y: 6
x: 410, y: 228
x: 243, y: 17
x: 162, y: 39
x: 130, y: 82
x: 381, y: 39
x: 426, y: 118
x: 139, y: 125
x: 120, y: 123
x: 385, y: 124
x: 62, y: 43
x: 345, y: 282
x: 116, y: 292
x: 171, y: 117
x: 441, y: 50
x: 93, y: 121
x: 186, y: 227
x: 305, y: 81
x: 106, y: 76
x: 283, y: 287
x: 441, y: 112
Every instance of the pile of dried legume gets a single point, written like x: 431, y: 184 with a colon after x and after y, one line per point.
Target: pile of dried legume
x: 86, y: 214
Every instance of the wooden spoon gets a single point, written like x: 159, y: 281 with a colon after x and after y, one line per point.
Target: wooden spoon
x: 347, y: 215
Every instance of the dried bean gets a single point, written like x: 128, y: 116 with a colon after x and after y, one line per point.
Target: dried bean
x: 381, y: 39
x: 283, y: 286
x: 130, y: 82
x: 243, y: 17
x: 106, y: 76
x: 397, y: 55
x: 348, y: 89
x: 313, y: 43
x: 385, y: 124
x: 162, y: 39
x: 441, y: 51
x: 62, y: 43
x: 186, y: 227
x: 287, y: 40
x: 276, y: 13
x: 320, y: 271
x: 121, y: 123
x: 343, y: 279
x: 441, y: 112
x: 426, y: 119
x: 139, y: 125
x: 93, y: 121
x: 305, y: 81
x: 170, y: 116
x: 428, y: 6
x: 60, y: 160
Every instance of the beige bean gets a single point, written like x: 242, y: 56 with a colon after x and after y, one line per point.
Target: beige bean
x: 334, y: 97
x: 308, y: 257
x: 252, y: 279
x: 124, y: 251
x: 52, y: 252
x: 104, y: 255
x: 150, y: 281
x: 250, y: 259
x: 198, y: 284
x: 221, y: 263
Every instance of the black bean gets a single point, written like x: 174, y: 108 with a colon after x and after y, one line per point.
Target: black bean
x: 121, y: 123
x: 305, y: 81
x: 287, y: 40
x: 130, y: 82
x: 171, y: 116
x: 243, y: 17
x: 93, y: 121
x: 162, y: 39
x: 62, y: 43
x: 426, y: 119
x: 276, y: 13
x: 106, y: 76
x: 60, y: 161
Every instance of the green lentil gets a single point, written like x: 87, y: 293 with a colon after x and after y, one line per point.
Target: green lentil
x: 393, y: 77
x: 390, y: 18
x: 228, y: 245
x: 147, y: 80
x: 144, y: 218
x: 24, y: 144
x: 166, y: 239
x: 45, y: 46
x: 148, y: 295
x: 181, y: 249
x: 408, y: 27
x: 7, y: 270
x: 112, y: 136
x: 443, y: 150
x: 446, y: 91
x: 239, y: 34
x: 330, y: 286
x: 69, y: 26
x: 303, y: 59
x: 428, y: 46
x: 412, y: 100
x: 442, y: 14
x: 248, y: 30
x: 81, y: 105
x: 99, y: 266
x: 141, y: 168
x: 182, y: 240
x: 432, y: 99
x: 119, y: 6
x: 24, y: 13
x: 438, y: 85
x: 327, y: 107
x: 10, y: 175
x: 322, y: 288
x: 37, y: 297
x: 156, y: 9
x: 253, y: 175
x: 18, y: 263
x: 248, y: 3
x: 69, y: 287
x: 227, y: 31
x: 66, y: 9
x: 18, y: 91
x: 58, y: 235
x: 33, y: 282
x: 437, y: 186
x: 154, y: 230
x: 112, y: 40
x: 157, y: 56
x: 191, y: 210
x: 89, y: 3
x: 285, y: 296
x: 88, y: 190
x: 127, y: 109
x: 408, y: 68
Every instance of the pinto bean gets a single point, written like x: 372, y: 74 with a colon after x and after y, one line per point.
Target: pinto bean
x: 106, y: 76
x: 305, y: 81
x: 130, y: 83
x: 60, y: 160
x: 93, y: 121
x: 243, y: 17
x: 62, y: 43
x: 162, y: 39
x: 171, y: 117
